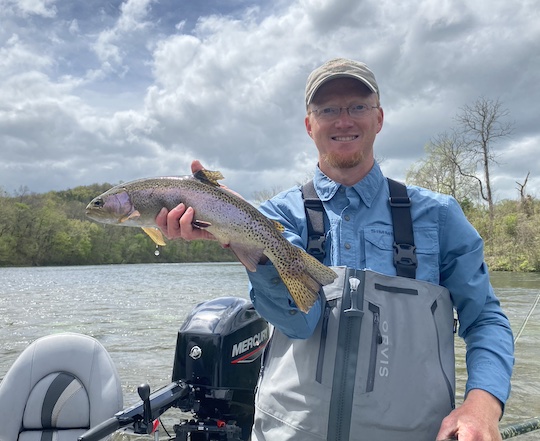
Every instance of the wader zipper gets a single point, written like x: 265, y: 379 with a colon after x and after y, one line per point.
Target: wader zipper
x: 341, y: 400
x: 329, y: 305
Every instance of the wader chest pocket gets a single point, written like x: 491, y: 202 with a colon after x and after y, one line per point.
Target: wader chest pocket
x: 376, y: 340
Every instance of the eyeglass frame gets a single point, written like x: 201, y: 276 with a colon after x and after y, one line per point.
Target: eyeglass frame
x: 337, y: 115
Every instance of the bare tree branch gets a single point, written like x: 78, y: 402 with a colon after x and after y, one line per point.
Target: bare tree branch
x: 481, y: 125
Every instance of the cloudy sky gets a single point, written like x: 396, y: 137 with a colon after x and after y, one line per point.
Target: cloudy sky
x: 108, y: 91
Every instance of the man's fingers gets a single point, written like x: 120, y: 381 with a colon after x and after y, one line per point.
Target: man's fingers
x: 161, y: 219
x: 186, y: 220
x: 173, y: 221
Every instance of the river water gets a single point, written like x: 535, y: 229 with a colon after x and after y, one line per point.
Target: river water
x: 135, y: 311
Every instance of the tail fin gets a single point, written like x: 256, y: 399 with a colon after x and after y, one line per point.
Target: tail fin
x: 321, y: 273
x: 304, y: 278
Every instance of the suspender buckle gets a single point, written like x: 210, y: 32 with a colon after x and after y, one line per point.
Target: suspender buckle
x: 315, y: 246
x: 313, y: 204
x: 405, y: 256
x: 398, y: 201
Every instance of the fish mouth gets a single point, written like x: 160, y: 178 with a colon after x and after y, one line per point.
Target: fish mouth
x: 91, y: 214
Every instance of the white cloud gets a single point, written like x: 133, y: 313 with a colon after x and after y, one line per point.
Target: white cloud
x: 17, y: 57
x: 110, y: 42
x: 143, y: 88
x: 24, y: 8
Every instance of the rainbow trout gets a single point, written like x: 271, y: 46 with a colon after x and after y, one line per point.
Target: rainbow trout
x: 231, y: 220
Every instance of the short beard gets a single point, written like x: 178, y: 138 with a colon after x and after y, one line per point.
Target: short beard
x: 338, y: 161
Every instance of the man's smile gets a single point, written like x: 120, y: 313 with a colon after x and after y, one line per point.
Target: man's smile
x: 345, y: 138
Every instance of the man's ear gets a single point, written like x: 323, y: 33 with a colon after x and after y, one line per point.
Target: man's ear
x: 308, y: 126
x: 381, y: 118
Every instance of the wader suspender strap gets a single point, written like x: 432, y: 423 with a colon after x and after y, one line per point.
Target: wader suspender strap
x: 404, y: 250
x: 315, y: 221
x: 405, y: 259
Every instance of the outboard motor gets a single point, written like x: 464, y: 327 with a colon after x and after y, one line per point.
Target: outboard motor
x: 218, y: 353
x: 216, y: 366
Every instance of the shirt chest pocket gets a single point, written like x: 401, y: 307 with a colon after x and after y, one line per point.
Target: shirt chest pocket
x: 379, y: 251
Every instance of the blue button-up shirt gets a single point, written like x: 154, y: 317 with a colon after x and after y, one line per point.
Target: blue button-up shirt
x: 359, y: 234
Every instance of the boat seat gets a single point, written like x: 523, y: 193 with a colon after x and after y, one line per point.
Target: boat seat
x: 60, y: 386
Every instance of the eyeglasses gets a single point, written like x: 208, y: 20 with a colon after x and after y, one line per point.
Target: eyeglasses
x: 330, y: 113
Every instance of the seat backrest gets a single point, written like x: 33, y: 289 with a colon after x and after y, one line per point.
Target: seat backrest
x: 59, y: 387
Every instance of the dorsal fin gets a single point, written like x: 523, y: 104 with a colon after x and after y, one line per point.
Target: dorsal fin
x: 208, y: 177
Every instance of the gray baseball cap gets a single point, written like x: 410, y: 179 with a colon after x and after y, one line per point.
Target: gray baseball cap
x: 339, y: 68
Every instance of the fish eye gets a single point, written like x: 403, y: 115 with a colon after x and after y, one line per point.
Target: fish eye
x: 98, y: 203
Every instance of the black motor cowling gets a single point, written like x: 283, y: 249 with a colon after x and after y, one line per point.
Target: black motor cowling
x: 218, y: 351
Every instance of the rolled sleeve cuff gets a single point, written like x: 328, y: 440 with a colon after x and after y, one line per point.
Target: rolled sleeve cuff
x: 486, y: 377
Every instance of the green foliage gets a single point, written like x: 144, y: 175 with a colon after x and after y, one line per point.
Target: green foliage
x: 514, y: 242
x: 52, y: 229
x: 510, y: 224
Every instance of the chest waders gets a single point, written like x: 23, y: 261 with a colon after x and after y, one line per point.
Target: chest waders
x: 380, y: 364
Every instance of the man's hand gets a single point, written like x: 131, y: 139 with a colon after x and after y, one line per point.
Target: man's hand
x: 477, y: 419
x: 178, y: 223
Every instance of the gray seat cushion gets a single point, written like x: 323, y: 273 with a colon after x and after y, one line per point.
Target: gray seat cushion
x: 62, y: 384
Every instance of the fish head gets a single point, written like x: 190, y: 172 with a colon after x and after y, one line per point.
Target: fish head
x: 112, y: 207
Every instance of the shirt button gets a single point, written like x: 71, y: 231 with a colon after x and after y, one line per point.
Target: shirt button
x: 293, y: 311
x: 347, y: 217
x: 275, y: 281
x: 347, y: 246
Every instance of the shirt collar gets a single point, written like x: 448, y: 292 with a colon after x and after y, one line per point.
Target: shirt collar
x: 367, y: 188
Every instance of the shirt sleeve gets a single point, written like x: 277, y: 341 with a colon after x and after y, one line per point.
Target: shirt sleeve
x: 484, y: 327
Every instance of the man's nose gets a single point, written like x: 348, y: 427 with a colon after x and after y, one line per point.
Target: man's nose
x: 344, y: 119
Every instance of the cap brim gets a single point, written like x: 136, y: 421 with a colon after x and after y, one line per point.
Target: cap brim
x: 324, y: 80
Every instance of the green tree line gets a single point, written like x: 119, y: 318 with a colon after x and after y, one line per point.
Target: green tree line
x: 52, y: 229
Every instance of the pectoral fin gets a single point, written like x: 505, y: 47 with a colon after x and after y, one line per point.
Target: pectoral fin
x: 132, y: 216
x: 155, y: 235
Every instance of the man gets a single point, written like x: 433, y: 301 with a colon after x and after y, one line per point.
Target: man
x: 343, y: 118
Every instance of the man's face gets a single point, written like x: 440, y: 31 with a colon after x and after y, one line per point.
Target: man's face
x: 344, y: 142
